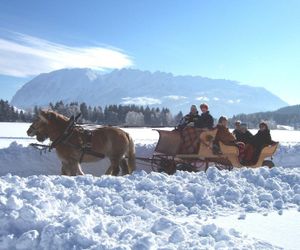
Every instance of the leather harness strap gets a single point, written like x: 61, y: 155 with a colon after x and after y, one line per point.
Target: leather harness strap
x: 85, y: 147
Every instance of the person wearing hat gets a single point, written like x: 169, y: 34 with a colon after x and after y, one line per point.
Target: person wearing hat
x: 223, y: 133
x: 241, y: 132
x: 237, y: 129
x: 190, y: 119
x: 205, y: 120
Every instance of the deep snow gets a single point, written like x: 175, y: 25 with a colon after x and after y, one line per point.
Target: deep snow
x: 142, y: 211
x: 213, y: 210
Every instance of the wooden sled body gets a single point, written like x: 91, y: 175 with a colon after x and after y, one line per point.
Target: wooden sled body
x: 167, y: 152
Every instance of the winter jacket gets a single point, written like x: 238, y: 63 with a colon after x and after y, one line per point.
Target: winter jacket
x: 224, y: 135
x: 205, y: 121
x: 189, y: 119
x: 243, y: 137
x: 261, y: 139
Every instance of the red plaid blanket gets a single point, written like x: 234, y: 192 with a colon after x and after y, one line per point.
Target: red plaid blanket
x: 190, y: 138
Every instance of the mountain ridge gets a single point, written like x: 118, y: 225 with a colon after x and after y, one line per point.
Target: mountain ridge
x: 132, y: 86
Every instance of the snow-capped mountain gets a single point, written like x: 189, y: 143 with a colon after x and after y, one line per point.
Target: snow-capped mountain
x: 158, y: 89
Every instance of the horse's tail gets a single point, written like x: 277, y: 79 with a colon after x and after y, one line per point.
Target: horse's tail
x: 131, y: 155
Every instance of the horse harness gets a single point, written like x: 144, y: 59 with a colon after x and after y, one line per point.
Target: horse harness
x: 86, y: 143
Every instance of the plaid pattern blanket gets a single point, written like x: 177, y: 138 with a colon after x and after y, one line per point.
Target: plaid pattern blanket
x: 190, y: 138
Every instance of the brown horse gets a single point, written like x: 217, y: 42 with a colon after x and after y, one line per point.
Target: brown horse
x: 110, y: 142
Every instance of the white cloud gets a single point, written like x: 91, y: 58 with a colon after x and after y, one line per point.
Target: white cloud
x: 142, y: 100
x: 175, y: 97
x: 216, y: 98
x: 22, y: 55
x: 234, y: 101
x: 202, y: 98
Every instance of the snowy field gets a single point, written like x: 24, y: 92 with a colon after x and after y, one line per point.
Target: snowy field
x: 240, y: 209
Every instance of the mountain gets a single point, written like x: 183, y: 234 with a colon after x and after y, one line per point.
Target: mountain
x: 290, y: 110
x: 288, y: 116
x: 158, y: 89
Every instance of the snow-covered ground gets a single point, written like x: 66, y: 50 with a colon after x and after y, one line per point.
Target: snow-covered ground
x: 240, y: 209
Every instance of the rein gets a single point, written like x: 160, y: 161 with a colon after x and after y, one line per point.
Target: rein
x: 41, y: 147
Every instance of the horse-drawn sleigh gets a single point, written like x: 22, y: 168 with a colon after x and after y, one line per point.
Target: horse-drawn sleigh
x: 81, y: 143
x: 170, y: 155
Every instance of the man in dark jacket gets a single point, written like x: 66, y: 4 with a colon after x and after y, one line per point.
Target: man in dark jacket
x: 190, y: 119
x: 241, y: 133
x: 205, y: 120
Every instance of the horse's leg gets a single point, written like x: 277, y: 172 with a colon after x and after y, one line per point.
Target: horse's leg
x: 108, y: 171
x: 124, y: 166
x: 72, y: 168
x: 115, y: 163
x: 131, y: 154
x: 64, y: 169
x: 75, y: 168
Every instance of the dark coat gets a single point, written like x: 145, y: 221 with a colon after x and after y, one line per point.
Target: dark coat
x: 205, y: 121
x: 224, y: 135
x: 243, y: 137
x: 189, y: 118
x: 261, y: 139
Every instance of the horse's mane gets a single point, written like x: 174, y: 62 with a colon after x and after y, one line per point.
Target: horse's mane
x: 50, y: 114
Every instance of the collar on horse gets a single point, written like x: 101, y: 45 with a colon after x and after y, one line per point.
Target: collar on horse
x: 67, y: 132
x: 86, y: 148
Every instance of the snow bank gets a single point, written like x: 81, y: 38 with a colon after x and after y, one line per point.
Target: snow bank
x: 26, y: 161
x: 141, y: 211
x: 42, y: 210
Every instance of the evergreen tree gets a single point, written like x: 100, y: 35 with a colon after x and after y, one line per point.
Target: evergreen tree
x: 178, y: 117
x: 84, y: 111
x: 147, y: 115
x: 134, y: 119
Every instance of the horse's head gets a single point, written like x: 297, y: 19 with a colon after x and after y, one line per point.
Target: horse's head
x: 40, y: 126
x: 48, y: 124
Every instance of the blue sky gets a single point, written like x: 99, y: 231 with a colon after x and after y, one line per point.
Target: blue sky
x: 255, y: 42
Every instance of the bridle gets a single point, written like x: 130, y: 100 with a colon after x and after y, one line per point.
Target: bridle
x: 67, y: 133
x: 65, y: 136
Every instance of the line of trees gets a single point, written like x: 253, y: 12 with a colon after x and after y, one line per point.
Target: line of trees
x: 133, y: 115
x: 9, y: 114
x: 126, y: 115
x: 130, y: 115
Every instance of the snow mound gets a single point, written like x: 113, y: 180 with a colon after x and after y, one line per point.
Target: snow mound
x: 139, y: 211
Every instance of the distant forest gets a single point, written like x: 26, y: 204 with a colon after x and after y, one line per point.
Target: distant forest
x: 125, y: 115
x: 133, y: 115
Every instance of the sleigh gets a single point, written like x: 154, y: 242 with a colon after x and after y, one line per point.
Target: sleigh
x: 171, y: 155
